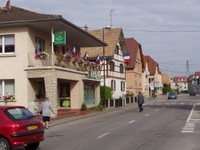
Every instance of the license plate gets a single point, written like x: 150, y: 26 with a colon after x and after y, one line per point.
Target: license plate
x: 32, y: 127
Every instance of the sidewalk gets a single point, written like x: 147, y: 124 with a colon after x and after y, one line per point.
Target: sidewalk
x: 92, y: 114
x: 95, y: 113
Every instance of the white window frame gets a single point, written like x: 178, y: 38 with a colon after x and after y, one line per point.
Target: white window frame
x: 4, y: 45
x: 3, y: 92
x: 122, y: 85
x: 39, y: 44
x: 113, y: 85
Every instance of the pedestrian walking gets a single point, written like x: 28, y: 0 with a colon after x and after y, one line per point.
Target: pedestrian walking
x: 46, y: 110
x: 140, y: 100
x: 32, y: 107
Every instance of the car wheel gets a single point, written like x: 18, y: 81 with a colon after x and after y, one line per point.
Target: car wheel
x: 32, y: 146
x: 4, y: 144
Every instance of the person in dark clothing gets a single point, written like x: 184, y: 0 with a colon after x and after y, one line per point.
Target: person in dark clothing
x: 140, y: 100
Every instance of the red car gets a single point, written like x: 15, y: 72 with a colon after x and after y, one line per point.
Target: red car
x: 19, y: 127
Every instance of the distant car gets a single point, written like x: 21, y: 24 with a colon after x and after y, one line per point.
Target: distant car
x: 19, y: 127
x: 172, y: 95
x: 192, y: 94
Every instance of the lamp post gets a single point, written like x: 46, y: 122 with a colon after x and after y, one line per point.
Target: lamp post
x: 104, y: 67
x: 104, y: 78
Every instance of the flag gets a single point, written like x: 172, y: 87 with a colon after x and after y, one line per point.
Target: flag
x: 74, y: 51
x: 102, y: 61
x: 127, y: 57
x: 97, y: 59
x: 8, y: 6
x: 86, y: 58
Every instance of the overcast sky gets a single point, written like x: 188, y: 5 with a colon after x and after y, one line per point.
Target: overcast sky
x: 168, y: 30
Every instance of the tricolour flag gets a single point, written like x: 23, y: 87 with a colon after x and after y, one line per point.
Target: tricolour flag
x: 74, y: 51
x: 86, y: 57
x: 97, y: 59
x: 102, y: 61
x: 127, y: 57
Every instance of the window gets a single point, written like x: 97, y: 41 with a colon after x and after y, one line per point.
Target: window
x: 7, y: 44
x: 113, y: 85
x: 89, y: 93
x: 122, y: 85
x: 121, y: 68
x: 112, y: 66
x: 39, y: 44
x: 40, y: 89
x: 7, y: 87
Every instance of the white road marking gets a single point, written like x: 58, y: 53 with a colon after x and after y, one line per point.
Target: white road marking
x: 189, y: 126
x: 157, y: 109
x: 103, y: 135
x: 189, y: 117
x: 182, y: 103
x: 132, y: 121
x: 147, y: 115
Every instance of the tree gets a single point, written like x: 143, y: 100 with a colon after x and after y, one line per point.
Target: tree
x: 166, y: 89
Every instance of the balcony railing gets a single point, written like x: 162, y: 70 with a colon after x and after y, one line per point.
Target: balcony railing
x: 64, y: 61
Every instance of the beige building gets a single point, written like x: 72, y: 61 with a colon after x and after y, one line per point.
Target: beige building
x: 134, y: 67
x: 155, y: 77
x: 35, y: 64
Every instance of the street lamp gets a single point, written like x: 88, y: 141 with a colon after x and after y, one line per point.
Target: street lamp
x: 104, y: 69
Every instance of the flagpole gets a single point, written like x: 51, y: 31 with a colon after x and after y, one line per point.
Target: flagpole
x: 52, y: 47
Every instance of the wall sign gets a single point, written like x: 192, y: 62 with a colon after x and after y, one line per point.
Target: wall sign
x: 94, y: 75
x: 60, y: 38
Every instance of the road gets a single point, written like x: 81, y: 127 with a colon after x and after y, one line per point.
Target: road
x: 164, y: 125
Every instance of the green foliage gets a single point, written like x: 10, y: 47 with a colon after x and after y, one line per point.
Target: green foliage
x: 166, y: 89
x: 83, y: 107
x: 99, y: 107
x: 108, y: 94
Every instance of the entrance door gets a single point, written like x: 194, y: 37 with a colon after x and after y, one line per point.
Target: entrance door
x: 65, y: 95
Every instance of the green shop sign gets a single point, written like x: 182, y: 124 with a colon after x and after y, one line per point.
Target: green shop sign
x: 94, y: 75
x: 60, y: 38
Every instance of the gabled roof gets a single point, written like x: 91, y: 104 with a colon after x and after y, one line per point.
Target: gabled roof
x: 152, y: 64
x: 109, y: 36
x: 45, y: 23
x: 197, y: 73
x: 133, y: 47
x: 18, y: 14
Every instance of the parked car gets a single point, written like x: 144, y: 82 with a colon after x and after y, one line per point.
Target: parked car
x: 192, y: 94
x: 172, y: 95
x: 19, y: 127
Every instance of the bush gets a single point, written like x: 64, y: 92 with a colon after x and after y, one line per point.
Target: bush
x: 99, y: 107
x: 83, y: 107
x: 108, y: 94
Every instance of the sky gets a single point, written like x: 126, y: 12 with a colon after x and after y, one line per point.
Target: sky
x: 168, y: 30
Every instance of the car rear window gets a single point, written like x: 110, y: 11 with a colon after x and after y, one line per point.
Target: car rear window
x: 19, y: 113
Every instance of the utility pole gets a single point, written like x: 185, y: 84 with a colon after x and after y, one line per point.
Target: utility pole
x: 111, y: 11
x: 187, y: 69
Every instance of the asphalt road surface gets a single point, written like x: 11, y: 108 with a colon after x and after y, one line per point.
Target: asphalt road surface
x: 163, y: 125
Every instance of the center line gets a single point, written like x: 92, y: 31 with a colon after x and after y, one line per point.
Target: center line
x: 103, y: 135
x: 147, y: 115
x: 132, y: 121
x: 157, y: 109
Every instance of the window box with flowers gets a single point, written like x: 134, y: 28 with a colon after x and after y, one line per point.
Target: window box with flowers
x: 8, y: 97
x: 67, y: 57
x: 74, y: 60
x: 41, y: 55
